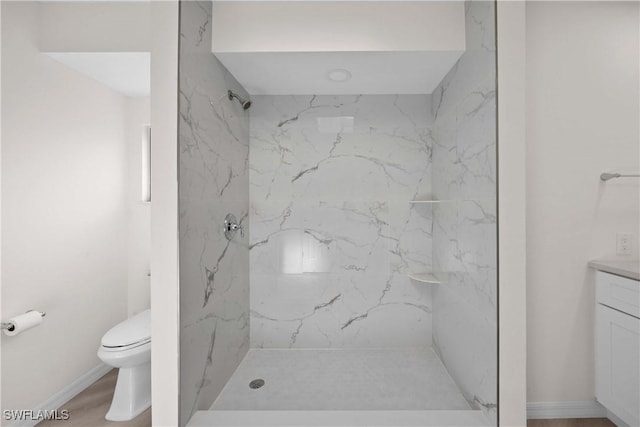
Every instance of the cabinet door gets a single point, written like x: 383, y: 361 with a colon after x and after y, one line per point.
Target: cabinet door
x: 618, y: 363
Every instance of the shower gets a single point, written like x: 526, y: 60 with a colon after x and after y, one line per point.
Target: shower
x: 246, y: 104
x: 347, y: 292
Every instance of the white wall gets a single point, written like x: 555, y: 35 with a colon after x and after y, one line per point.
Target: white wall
x: 138, y: 212
x: 95, y: 26
x: 64, y: 219
x: 164, y: 215
x: 582, y: 119
x: 512, y: 213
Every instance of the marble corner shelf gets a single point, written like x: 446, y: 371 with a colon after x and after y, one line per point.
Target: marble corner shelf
x: 434, y: 278
x: 424, y: 198
x: 424, y: 201
x: 436, y: 201
x: 432, y: 201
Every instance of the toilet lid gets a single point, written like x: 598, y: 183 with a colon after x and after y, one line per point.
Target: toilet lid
x: 132, y: 331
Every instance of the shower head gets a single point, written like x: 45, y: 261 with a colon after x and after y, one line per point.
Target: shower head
x: 246, y: 104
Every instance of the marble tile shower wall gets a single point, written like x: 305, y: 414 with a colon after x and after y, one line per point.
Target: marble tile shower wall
x: 333, y: 234
x: 465, y: 228
x: 213, y: 180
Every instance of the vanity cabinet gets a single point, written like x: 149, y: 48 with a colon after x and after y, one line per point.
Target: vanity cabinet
x: 617, y: 346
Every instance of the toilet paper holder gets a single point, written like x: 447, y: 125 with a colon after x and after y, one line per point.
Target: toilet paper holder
x: 10, y: 326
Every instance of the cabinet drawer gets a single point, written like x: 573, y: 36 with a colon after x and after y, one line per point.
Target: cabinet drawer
x: 618, y: 292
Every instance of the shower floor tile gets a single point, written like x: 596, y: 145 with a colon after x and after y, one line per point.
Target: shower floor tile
x: 345, y: 379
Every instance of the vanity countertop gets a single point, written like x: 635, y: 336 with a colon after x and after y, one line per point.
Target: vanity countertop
x: 629, y: 269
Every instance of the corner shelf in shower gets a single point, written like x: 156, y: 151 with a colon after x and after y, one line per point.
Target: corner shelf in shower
x: 437, y: 201
x: 431, y: 201
x: 424, y: 198
x: 429, y: 277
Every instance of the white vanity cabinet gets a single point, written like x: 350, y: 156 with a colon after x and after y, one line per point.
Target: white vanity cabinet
x: 617, y: 346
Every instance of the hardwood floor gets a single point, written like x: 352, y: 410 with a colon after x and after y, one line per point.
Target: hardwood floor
x: 574, y: 422
x: 89, y: 407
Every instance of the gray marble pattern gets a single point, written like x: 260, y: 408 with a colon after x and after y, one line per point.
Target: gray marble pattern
x: 333, y: 235
x: 465, y: 227
x: 213, y: 180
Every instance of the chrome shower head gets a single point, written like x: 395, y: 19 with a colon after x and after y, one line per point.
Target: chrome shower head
x: 246, y: 104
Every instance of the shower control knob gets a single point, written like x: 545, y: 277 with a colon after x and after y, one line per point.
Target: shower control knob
x: 231, y: 227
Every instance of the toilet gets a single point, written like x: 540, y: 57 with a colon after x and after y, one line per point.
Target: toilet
x: 127, y: 346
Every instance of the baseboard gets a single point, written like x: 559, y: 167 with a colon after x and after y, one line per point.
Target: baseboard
x: 617, y: 421
x: 67, y: 393
x: 580, y: 409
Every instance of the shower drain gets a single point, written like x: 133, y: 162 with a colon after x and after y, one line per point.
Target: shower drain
x: 256, y: 383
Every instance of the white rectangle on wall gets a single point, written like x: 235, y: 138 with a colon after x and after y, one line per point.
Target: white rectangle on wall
x: 146, y: 164
x: 342, y: 124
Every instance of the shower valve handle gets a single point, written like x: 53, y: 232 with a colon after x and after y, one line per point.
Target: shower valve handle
x: 234, y: 227
x: 231, y: 227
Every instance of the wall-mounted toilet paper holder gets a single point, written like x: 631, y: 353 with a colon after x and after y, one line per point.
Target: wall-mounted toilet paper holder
x: 10, y: 326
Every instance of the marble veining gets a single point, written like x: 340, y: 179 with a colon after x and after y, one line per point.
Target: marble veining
x: 465, y: 229
x: 333, y: 235
x: 330, y: 234
x: 213, y: 181
x: 203, y: 380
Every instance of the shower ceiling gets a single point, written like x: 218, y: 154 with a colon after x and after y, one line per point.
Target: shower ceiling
x: 288, y: 48
x: 295, y: 73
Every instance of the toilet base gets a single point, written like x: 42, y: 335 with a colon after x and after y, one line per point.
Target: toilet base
x: 133, y: 393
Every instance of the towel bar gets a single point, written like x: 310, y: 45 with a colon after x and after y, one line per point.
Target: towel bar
x: 607, y: 176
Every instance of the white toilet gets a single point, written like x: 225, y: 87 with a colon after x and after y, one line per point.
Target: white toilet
x: 127, y: 346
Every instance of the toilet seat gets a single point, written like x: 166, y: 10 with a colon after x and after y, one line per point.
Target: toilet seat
x: 125, y: 356
x: 125, y: 347
x: 133, y: 332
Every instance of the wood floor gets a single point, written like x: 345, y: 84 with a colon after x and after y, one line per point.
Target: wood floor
x: 575, y: 422
x: 89, y: 407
